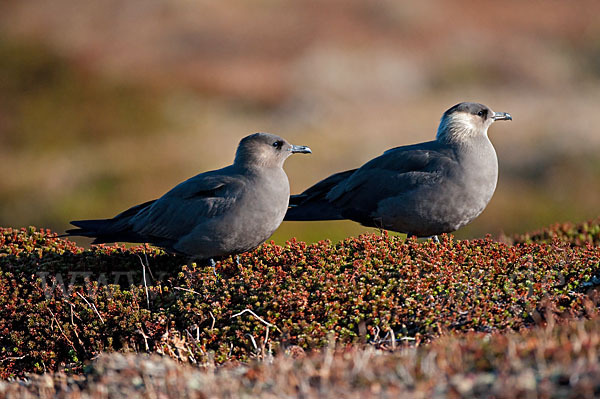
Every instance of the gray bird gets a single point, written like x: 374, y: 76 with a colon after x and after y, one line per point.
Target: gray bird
x: 423, y: 189
x: 214, y: 214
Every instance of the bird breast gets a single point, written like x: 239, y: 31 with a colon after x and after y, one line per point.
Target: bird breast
x: 265, y: 204
x: 477, y: 183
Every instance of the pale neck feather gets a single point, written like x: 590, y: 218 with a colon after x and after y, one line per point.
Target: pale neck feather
x: 460, y: 128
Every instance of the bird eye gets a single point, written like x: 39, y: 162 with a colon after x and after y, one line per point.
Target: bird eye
x: 482, y: 113
x: 278, y: 144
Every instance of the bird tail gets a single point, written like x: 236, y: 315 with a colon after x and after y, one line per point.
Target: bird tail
x: 109, y: 230
x: 312, y: 204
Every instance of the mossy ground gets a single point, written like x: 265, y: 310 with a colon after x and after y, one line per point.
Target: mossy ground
x: 62, y: 306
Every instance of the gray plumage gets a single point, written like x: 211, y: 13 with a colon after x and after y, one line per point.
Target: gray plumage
x: 423, y: 189
x: 213, y: 214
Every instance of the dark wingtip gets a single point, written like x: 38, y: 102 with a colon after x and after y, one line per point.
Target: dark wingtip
x: 87, y: 228
x: 77, y: 232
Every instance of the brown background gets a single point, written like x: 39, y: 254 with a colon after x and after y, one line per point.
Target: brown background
x: 109, y: 103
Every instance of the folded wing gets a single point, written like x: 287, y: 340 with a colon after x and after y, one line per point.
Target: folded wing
x: 164, y: 221
x: 355, y: 194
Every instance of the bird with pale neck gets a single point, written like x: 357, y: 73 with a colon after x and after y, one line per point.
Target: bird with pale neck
x: 422, y: 189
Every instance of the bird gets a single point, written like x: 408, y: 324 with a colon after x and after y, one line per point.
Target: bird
x: 213, y: 214
x: 422, y: 190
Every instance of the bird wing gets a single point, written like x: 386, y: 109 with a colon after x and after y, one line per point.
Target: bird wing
x: 356, y: 194
x: 312, y: 204
x: 396, y: 171
x: 189, y: 204
x: 320, y: 189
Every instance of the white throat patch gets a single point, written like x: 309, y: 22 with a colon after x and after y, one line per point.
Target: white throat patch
x: 460, y: 126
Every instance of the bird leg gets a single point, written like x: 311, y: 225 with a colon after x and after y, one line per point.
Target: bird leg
x: 378, y: 222
x: 237, y: 260
x: 214, y: 266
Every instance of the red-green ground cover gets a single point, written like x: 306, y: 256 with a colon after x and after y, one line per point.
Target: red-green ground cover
x: 61, y: 305
x: 575, y: 233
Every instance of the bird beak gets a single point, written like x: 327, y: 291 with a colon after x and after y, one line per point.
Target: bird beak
x: 502, y: 116
x: 302, y: 149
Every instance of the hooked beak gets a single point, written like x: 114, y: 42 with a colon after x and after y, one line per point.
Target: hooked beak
x: 302, y: 149
x: 502, y: 116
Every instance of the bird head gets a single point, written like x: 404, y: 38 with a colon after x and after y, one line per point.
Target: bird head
x: 267, y: 150
x: 465, y: 121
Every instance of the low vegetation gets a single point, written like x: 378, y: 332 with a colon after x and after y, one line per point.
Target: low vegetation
x: 478, y: 314
x: 578, y: 234
x: 554, y: 361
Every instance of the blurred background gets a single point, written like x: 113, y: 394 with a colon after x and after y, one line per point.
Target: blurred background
x: 110, y: 103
